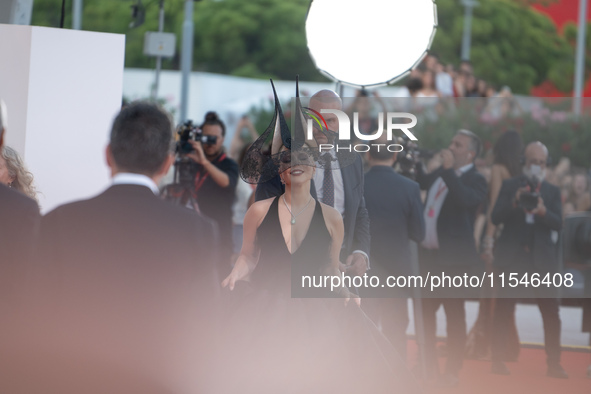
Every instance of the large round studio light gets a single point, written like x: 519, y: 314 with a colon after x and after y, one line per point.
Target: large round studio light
x: 369, y: 42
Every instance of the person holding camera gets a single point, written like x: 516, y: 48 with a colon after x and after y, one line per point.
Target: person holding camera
x: 454, y: 192
x: 531, y: 211
x: 216, y: 176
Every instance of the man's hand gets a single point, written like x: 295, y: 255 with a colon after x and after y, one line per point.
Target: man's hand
x: 198, y: 155
x: 540, y: 210
x: 524, y: 189
x: 356, y: 265
x: 447, y: 159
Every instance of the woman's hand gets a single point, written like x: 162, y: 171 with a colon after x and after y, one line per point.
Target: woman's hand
x: 487, y: 256
x: 356, y: 299
x: 347, y: 295
x: 241, y: 271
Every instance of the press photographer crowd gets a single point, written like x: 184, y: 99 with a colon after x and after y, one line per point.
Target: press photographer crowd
x: 177, y: 277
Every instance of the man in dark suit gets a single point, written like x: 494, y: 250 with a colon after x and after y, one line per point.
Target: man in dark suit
x: 529, y: 244
x: 127, y: 275
x: 455, y: 190
x: 396, y: 216
x: 19, y: 218
x: 340, y: 188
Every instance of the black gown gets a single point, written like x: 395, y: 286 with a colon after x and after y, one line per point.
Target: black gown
x: 280, y: 344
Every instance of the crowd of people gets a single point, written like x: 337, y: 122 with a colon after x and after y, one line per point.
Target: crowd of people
x: 435, y: 79
x: 179, y: 296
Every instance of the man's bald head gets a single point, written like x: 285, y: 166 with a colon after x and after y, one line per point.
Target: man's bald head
x: 326, y: 99
x: 536, y: 153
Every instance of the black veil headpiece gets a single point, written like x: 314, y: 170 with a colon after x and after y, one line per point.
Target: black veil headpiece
x: 289, y: 148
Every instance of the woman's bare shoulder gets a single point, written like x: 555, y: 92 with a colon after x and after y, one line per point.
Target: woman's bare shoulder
x: 501, y: 170
x: 259, y: 209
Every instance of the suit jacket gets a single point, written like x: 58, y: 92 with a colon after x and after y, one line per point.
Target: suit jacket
x: 356, y: 219
x: 509, y: 251
x: 131, y: 276
x: 396, y: 216
x: 455, y: 224
x: 19, y: 225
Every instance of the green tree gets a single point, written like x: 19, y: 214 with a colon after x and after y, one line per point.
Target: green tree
x: 256, y: 38
x: 570, y: 31
x: 512, y: 44
x: 113, y: 16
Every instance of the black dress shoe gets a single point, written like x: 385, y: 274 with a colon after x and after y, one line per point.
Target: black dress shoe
x: 499, y: 368
x: 557, y: 372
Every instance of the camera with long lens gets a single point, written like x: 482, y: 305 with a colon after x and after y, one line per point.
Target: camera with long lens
x: 528, y: 200
x: 189, y: 132
x: 410, y: 155
x: 185, y: 169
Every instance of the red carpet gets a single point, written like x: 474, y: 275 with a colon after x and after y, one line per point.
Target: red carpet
x: 528, y: 375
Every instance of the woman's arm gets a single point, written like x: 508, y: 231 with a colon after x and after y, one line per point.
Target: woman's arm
x: 498, y: 173
x: 249, y: 254
x: 496, y: 180
x: 238, y: 142
x: 584, y: 202
x: 336, y: 229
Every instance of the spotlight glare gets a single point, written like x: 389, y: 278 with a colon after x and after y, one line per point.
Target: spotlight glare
x: 369, y: 42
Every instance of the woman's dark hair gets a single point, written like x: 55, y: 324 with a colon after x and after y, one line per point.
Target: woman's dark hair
x: 414, y: 85
x: 212, y: 119
x: 508, y: 151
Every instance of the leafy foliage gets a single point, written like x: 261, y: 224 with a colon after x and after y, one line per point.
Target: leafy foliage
x: 512, y: 44
x: 261, y: 38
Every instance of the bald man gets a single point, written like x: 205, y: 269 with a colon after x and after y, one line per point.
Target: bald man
x: 530, y: 210
x: 341, y: 188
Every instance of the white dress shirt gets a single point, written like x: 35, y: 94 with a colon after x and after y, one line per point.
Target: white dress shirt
x: 444, y: 84
x: 339, y: 189
x: 127, y: 178
x: 436, y: 197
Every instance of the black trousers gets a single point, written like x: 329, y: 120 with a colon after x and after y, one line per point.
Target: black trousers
x: 455, y: 314
x: 505, y: 309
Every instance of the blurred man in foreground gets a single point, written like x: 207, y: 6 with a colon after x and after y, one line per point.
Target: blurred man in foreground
x: 126, y: 277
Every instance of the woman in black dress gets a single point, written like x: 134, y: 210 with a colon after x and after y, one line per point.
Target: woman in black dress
x: 279, y: 343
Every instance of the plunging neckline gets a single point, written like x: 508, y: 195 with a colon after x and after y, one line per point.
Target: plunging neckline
x: 316, y: 205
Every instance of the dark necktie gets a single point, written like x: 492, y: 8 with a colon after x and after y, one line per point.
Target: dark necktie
x: 328, y: 182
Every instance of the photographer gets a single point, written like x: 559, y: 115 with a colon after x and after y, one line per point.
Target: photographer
x: 454, y: 192
x: 216, y: 176
x: 531, y: 211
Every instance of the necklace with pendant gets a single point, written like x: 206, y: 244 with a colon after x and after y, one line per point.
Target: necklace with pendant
x: 293, y: 217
